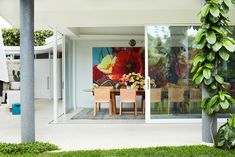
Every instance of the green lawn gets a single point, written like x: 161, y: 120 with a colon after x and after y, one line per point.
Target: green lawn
x: 182, y: 151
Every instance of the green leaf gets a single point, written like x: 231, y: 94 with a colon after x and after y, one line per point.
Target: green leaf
x: 216, y: 1
x: 224, y: 13
x: 217, y: 29
x: 217, y: 46
x: 209, y: 65
x: 210, y: 56
x: 228, y: 2
x: 208, y: 81
x: 213, y: 86
x: 201, y: 44
x: 219, y: 79
x: 224, y: 55
x: 205, y: 10
x: 194, y: 68
x: 199, y: 79
x: 199, y: 35
x: 211, y: 37
x: 204, y: 102
x: 222, y: 95
x: 229, y: 45
x: 197, y: 59
x: 207, y: 73
x: 224, y: 105
x: 214, y: 11
x: 213, y: 100
x: 213, y: 19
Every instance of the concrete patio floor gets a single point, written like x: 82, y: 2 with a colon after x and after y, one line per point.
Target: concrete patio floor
x: 71, y: 135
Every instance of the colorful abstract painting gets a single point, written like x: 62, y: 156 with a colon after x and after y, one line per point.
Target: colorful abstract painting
x: 111, y: 63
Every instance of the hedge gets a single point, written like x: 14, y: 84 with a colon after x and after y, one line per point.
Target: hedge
x: 11, y: 37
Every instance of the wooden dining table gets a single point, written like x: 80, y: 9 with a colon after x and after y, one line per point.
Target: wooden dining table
x: 116, y: 92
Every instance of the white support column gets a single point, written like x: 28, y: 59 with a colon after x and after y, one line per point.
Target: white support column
x: 74, y: 74
x: 55, y: 96
x: 63, y: 74
x: 27, y: 70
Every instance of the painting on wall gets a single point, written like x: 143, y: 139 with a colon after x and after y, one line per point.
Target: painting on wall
x: 111, y: 63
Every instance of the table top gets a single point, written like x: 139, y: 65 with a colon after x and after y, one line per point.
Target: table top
x: 113, y: 90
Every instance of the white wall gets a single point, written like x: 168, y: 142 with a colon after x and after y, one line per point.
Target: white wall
x: 84, y: 68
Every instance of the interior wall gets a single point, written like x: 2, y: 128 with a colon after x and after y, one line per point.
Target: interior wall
x: 84, y: 67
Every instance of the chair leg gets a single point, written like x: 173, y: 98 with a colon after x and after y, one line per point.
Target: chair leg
x: 160, y: 106
x: 190, y: 107
x: 110, y: 108
x: 99, y: 104
x: 168, y: 107
x: 94, y: 113
x: 120, y: 109
x: 143, y: 105
x: 135, y: 108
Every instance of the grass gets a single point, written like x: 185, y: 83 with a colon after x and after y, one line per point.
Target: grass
x: 26, y: 148
x: 181, y: 151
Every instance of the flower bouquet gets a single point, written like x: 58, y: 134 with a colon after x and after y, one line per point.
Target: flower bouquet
x: 133, y: 80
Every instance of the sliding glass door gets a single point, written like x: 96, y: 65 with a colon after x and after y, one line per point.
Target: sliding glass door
x: 171, y: 93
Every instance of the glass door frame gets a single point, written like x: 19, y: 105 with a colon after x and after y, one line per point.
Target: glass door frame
x: 147, y: 86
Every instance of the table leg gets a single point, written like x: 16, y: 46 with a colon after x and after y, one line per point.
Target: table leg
x: 114, y: 106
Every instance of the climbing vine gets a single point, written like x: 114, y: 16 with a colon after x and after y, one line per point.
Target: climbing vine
x: 214, y: 47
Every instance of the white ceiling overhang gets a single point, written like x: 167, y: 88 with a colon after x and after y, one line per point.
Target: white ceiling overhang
x: 69, y: 14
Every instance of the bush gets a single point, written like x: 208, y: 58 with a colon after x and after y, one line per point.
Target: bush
x: 11, y: 37
x: 30, y: 148
x: 225, y: 137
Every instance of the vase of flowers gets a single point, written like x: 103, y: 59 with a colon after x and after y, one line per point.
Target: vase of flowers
x: 133, y: 80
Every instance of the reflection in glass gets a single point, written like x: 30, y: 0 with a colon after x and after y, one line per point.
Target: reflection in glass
x: 170, y: 56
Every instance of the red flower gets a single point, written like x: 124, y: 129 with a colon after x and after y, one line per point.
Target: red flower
x: 97, y: 74
x: 127, y: 61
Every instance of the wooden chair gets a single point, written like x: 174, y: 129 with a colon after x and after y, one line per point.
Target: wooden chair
x: 175, y: 94
x: 195, y: 95
x: 102, y: 95
x: 104, y: 87
x: 156, y: 96
x: 128, y: 96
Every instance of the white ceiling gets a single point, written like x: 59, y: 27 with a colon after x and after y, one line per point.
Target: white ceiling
x: 74, y: 17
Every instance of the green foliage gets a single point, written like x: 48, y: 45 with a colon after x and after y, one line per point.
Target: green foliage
x: 40, y: 36
x: 11, y: 37
x: 215, y: 47
x: 181, y: 151
x: 225, y: 137
x: 22, y: 148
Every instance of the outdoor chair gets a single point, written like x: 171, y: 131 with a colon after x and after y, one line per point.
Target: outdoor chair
x: 156, y: 97
x: 128, y: 96
x: 175, y: 94
x: 102, y: 95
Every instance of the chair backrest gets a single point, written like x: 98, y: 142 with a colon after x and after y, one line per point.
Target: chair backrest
x: 102, y: 94
x: 128, y: 95
x: 176, y: 94
x: 195, y: 94
x: 155, y: 94
x: 106, y: 87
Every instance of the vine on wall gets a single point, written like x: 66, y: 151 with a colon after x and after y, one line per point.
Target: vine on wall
x: 215, y: 47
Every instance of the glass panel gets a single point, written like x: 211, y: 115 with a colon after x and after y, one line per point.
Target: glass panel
x: 228, y: 72
x: 69, y: 74
x: 170, y: 54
